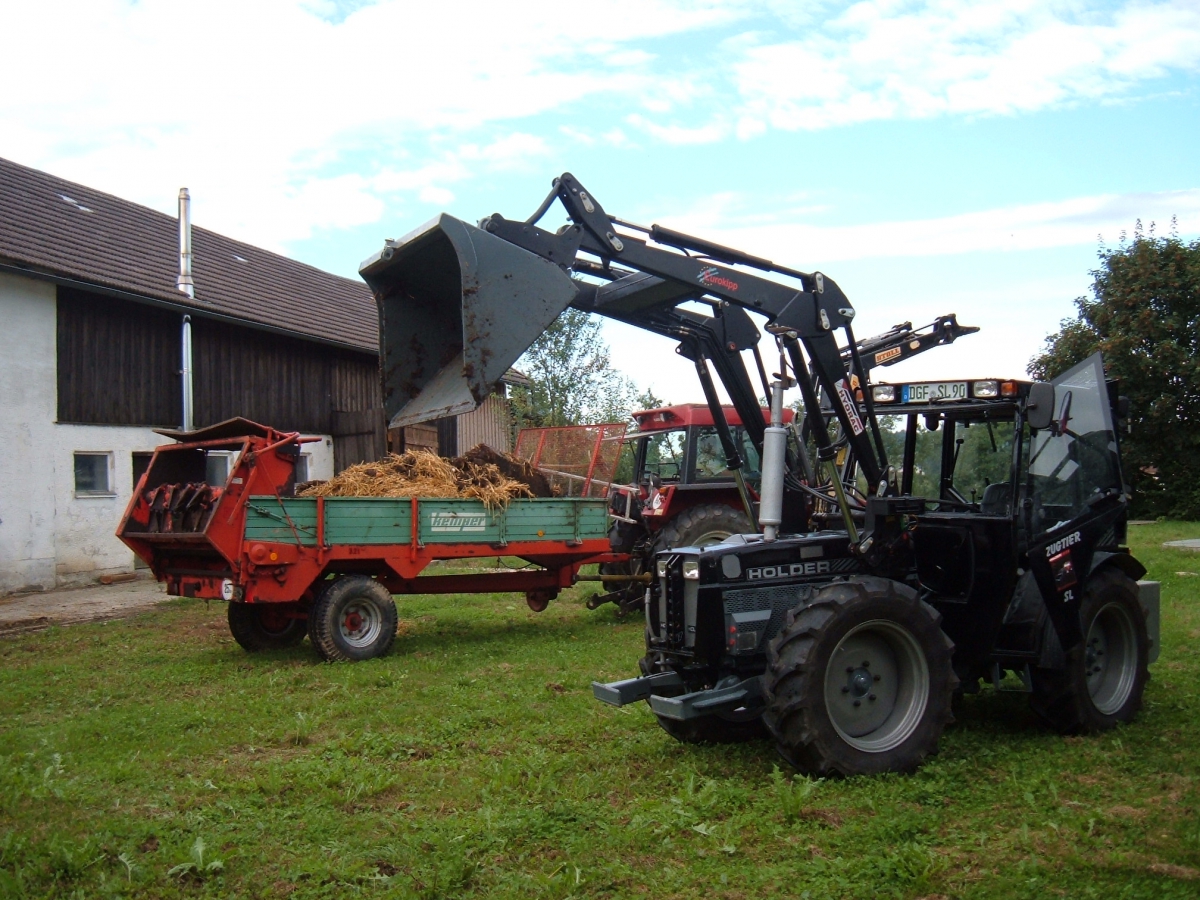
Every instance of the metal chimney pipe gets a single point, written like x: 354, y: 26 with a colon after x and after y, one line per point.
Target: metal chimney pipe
x: 186, y: 372
x: 184, y: 283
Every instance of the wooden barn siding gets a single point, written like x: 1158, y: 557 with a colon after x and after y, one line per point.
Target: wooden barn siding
x: 489, y: 424
x: 118, y: 362
x: 279, y: 381
x: 292, y: 385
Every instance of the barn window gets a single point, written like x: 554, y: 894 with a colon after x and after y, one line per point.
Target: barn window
x: 91, y: 474
x: 216, y: 468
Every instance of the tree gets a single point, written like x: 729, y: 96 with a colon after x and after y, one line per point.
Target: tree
x: 1144, y: 316
x: 573, y: 382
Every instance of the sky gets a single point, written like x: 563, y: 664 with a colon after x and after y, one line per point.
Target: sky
x: 930, y: 157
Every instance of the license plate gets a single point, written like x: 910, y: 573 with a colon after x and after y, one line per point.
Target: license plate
x: 942, y: 390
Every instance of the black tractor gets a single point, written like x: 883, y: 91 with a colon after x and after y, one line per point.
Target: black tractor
x: 908, y: 542
x: 848, y: 647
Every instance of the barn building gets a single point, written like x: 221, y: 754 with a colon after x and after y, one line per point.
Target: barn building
x: 91, y: 358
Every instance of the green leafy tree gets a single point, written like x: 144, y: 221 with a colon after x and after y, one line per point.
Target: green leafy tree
x: 573, y: 382
x: 1144, y: 316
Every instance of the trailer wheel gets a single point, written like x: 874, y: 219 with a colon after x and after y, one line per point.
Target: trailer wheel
x: 1105, y: 675
x: 353, y: 618
x: 733, y: 728
x: 860, y: 681
x: 701, y: 526
x: 264, y: 626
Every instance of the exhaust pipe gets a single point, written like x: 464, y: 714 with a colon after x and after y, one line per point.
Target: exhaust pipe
x: 457, y: 307
x: 774, y: 462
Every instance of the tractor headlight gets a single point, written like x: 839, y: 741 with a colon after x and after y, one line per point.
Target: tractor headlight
x: 661, y: 568
x: 985, y: 389
x: 691, y: 569
x: 884, y: 393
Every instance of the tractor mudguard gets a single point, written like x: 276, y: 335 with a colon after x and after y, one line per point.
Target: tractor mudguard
x: 457, y: 307
x: 1122, y: 561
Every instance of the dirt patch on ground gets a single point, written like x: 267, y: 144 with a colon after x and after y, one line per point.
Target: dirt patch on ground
x: 25, y: 613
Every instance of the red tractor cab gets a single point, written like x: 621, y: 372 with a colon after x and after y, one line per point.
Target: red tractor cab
x: 682, y: 494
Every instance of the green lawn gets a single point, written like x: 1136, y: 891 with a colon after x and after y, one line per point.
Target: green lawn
x: 152, y: 757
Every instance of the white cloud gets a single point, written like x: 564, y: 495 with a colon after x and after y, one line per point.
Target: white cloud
x: 883, y: 59
x: 677, y: 134
x: 266, y: 110
x: 1072, y: 222
x: 256, y: 106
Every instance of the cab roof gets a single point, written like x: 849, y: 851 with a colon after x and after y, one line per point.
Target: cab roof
x: 671, y: 417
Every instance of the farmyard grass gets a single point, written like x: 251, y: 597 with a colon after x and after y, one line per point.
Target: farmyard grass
x: 152, y: 757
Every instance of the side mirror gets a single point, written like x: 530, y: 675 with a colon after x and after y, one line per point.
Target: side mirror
x: 1039, y: 405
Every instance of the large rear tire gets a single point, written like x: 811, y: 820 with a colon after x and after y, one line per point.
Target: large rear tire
x: 1105, y: 675
x: 860, y: 681
x: 264, y: 626
x: 353, y: 618
x: 701, y: 526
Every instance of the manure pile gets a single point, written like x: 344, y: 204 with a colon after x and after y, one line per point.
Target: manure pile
x: 480, y: 474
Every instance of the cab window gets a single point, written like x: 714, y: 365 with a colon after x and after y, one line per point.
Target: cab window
x: 664, y: 455
x: 1076, y: 462
x: 974, y: 456
x: 710, y: 456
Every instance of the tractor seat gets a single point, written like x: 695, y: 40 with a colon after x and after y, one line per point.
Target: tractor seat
x: 997, y: 499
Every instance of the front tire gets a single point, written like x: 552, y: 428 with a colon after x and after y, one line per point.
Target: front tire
x: 860, y: 681
x: 1105, y: 674
x: 353, y: 618
x: 264, y: 626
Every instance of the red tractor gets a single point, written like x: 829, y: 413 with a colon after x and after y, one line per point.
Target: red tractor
x: 681, y: 493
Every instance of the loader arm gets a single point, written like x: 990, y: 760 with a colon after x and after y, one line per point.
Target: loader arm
x: 903, y: 342
x: 810, y: 315
x: 459, y: 304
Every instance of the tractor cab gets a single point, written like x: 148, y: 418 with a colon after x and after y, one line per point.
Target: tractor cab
x: 1038, y: 455
x: 680, y: 445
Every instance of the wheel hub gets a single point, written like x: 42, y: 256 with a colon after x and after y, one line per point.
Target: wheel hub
x: 876, y: 686
x: 360, y: 623
x: 274, y: 621
x: 861, y: 682
x: 1110, y: 658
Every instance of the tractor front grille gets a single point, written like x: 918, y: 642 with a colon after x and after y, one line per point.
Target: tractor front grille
x: 677, y: 602
x: 754, y: 616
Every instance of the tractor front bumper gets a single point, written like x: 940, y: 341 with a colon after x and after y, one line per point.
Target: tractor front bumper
x: 727, y: 697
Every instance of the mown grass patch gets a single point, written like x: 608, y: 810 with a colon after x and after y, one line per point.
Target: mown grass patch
x: 152, y: 757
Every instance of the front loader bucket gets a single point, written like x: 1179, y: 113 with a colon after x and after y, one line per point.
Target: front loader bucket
x: 457, y: 307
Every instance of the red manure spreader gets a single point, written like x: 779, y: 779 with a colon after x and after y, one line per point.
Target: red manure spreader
x: 328, y: 566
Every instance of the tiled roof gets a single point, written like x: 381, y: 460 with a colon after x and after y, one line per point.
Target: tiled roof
x: 65, y: 229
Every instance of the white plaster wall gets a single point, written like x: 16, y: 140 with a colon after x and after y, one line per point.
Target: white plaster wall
x: 28, y: 402
x: 320, y: 457
x: 85, y: 526
x: 49, y: 536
